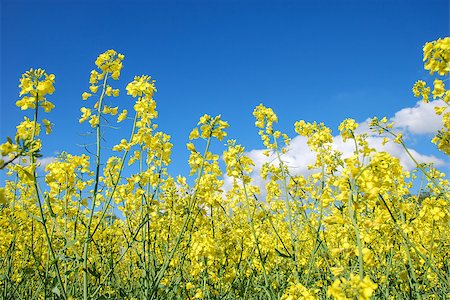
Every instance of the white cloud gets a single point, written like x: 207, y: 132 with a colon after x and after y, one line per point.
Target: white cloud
x: 420, y: 119
x: 44, y: 161
x: 300, y: 156
x: 25, y: 161
x: 392, y: 148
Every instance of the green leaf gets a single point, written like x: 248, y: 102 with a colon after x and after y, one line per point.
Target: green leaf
x: 94, y: 272
x: 47, y: 201
x: 31, y: 177
x: 35, y: 217
x: 56, y: 291
x: 69, y: 244
x: 281, y: 254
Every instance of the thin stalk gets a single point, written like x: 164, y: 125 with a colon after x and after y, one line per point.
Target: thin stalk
x: 107, y: 204
x: 165, y: 265
x: 252, y: 226
x: 319, y: 225
x: 94, y: 195
x: 358, y: 238
x: 288, y: 209
x: 413, y: 246
x: 41, y: 210
x: 120, y: 258
x: 419, y: 166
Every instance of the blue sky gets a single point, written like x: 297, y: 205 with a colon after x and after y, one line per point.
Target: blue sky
x: 312, y: 60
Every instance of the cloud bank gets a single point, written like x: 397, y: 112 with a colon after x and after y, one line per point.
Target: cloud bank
x: 418, y: 120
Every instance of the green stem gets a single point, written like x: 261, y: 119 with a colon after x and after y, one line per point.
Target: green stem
x: 165, y: 265
x: 431, y: 263
x: 288, y: 209
x: 108, y: 202
x: 94, y: 195
x: 255, y: 236
x: 351, y: 213
x: 419, y: 166
x: 120, y: 258
x: 41, y: 210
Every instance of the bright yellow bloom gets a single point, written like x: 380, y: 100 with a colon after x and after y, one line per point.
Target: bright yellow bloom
x: 343, y: 289
x: 298, y: 292
x: 347, y: 129
x: 191, y: 147
x: 2, y: 196
x: 122, y: 116
x: 398, y: 139
x: 85, y: 95
x: 194, y: 134
x: 8, y: 148
x: 141, y: 85
x: 124, y: 145
x: 436, y: 55
x: 26, y: 129
x: 439, y: 88
x: 47, y: 105
x: 26, y: 102
x: 111, y: 62
x: 37, y: 84
x: 86, y: 113
x: 420, y: 89
x: 48, y: 126
x: 110, y: 110
x: 93, y: 88
x: 94, y: 121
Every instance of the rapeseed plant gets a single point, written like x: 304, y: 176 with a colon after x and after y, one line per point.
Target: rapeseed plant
x: 351, y: 228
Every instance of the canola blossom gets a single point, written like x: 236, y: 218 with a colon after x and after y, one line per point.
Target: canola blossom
x: 123, y: 227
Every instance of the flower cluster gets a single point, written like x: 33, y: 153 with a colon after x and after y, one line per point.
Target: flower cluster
x: 437, y: 60
x: 34, y: 86
x: 436, y: 55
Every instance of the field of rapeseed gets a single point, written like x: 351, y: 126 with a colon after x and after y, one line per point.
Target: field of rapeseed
x: 352, y: 229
